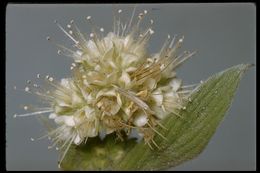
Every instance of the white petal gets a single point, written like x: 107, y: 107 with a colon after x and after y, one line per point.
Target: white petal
x: 77, y: 140
x: 93, y: 48
x: 114, y: 109
x: 106, y: 92
x: 69, y: 121
x: 140, y: 120
x: 151, y: 83
x: 62, y: 103
x: 127, y: 40
x: 160, y: 113
x: 157, y: 97
x: 93, y: 129
x: 76, y: 99
x: 130, y: 69
x: 118, y: 99
x: 125, y: 78
x: 90, y: 99
x: 66, y: 133
x: 128, y: 59
x: 176, y: 84
x: 89, y: 112
x: 65, y: 82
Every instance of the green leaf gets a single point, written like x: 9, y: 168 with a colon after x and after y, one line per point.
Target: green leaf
x: 186, y: 136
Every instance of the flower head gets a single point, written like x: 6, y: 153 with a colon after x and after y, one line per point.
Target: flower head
x: 117, y: 86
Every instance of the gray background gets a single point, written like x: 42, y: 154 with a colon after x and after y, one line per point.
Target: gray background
x: 224, y: 35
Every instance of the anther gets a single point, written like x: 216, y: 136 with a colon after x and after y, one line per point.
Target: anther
x: 151, y: 31
x: 140, y: 16
x: 50, y: 79
x: 27, y: 89
x: 181, y: 39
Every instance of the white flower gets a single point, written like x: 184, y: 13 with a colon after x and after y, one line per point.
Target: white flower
x: 116, y: 85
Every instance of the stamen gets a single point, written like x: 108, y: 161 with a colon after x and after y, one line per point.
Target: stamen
x: 66, y: 150
x: 33, y: 113
x: 157, y: 132
x: 75, y: 41
x: 155, y: 143
x: 131, y: 19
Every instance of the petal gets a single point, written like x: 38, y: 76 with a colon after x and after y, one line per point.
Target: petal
x: 114, y: 109
x: 176, y: 84
x: 150, y: 83
x: 160, y: 113
x: 77, y: 140
x: 157, y: 97
x: 65, y: 82
x: 76, y: 99
x: 89, y: 112
x: 69, y: 121
x: 140, y: 120
x: 125, y: 78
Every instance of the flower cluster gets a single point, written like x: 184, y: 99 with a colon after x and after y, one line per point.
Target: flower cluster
x: 116, y: 86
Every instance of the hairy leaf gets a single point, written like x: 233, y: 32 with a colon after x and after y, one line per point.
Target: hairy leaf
x: 186, y: 136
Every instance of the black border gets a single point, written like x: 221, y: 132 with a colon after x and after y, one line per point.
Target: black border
x: 4, y: 3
